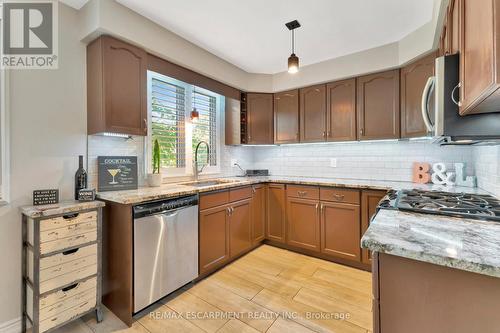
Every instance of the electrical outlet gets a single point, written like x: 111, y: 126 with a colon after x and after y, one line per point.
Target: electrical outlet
x: 333, y: 162
x: 233, y: 162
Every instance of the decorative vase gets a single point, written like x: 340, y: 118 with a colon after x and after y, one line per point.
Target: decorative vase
x: 154, y: 179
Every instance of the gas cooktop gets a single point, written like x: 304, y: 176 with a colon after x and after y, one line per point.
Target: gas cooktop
x: 476, y: 206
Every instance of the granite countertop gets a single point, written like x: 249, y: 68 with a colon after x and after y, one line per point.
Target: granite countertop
x: 165, y: 191
x: 60, y: 208
x: 466, y: 244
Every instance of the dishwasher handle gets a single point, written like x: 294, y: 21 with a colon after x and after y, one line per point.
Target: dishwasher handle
x: 164, y: 207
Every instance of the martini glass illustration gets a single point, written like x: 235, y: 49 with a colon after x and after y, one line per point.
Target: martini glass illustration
x: 113, y: 173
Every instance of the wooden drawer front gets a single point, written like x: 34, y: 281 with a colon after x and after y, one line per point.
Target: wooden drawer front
x: 240, y: 193
x: 67, y: 220
x: 210, y: 200
x: 66, y: 298
x: 67, y: 272
x: 304, y: 192
x: 64, y: 243
x: 79, y: 306
x: 69, y: 231
x: 339, y: 195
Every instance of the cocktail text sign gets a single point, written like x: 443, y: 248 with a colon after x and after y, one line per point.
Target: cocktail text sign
x: 116, y: 173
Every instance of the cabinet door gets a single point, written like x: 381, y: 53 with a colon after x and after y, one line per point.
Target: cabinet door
x: 214, y: 238
x: 413, y: 79
x: 479, y: 56
x: 303, y: 220
x: 378, y: 105
x: 454, y: 25
x: 260, y: 118
x: 369, y: 202
x: 286, y: 117
x: 275, y: 229
x: 259, y: 205
x: 340, y: 230
x: 313, y: 113
x: 341, y: 110
x: 124, y: 73
x: 240, y: 232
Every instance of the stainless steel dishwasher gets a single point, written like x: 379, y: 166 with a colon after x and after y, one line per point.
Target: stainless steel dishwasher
x: 165, y: 248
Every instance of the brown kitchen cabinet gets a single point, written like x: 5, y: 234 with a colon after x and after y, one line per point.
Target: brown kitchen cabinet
x: 259, y: 212
x: 378, y: 106
x: 369, y: 202
x: 286, y: 117
x: 453, y: 23
x: 116, y: 87
x: 259, y: 118
x: 214, y: 238
x: 413, y: 79
x: 276, y: 218
x: 303, y: 223
x: 341, y: 110
x: 340, y: 230
x: 313, y: 113
x: 479, y: 72
x: 240, y: 227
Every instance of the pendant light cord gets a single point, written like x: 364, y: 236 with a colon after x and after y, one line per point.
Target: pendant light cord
x: 293, y: 41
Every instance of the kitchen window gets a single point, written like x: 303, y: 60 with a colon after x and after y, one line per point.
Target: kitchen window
x: 170, y: 103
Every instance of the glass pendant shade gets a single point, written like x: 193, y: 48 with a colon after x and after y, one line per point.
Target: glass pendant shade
x: 293, y: 63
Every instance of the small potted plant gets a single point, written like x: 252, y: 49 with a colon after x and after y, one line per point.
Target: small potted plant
x: 154, y: 179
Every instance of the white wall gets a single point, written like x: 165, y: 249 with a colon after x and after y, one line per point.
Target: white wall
x: 362, y: 160
x: 487, y: 166
x: 48, y: 132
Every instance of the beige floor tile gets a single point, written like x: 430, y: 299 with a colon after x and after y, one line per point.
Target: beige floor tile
x: 236, y: 326
x: 344, y: 280
x: 202, y: 314
x: 289, y: 326
x: 168, y: 321
x: 305, y: 315
x: 250, y: 313
x: 236, y: 284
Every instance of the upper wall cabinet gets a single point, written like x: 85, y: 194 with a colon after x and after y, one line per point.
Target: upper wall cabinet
x: 378, y: 106
x: 479, y: 56
x: 341, y: 110
x: 259, y: 118
x: 286, y: 117
x: 413, y: 79
x: 116, y: 87
x: 313, y: 114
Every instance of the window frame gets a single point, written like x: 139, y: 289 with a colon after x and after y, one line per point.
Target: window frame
x: 187, y: 170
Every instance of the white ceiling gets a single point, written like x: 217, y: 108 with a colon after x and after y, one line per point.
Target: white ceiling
x: 252, y: 34
x: 77, y: 4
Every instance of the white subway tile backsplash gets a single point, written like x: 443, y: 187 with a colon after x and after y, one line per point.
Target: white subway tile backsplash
x: 487, y: 166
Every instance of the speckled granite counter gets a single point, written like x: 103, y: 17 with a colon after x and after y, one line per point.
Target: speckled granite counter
x: 465, y: 244
x: 60, y: 208
x: 165, y: 191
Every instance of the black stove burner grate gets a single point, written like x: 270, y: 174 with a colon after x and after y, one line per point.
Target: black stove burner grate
x: 478, y: 206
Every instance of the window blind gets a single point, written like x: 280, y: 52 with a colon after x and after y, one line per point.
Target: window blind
x: 168, y: 111
x: 205, y: 128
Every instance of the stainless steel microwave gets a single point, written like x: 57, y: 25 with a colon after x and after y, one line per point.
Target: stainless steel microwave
x: 440, y: 110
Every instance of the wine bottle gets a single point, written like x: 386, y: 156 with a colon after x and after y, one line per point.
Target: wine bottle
x: 80, y: 177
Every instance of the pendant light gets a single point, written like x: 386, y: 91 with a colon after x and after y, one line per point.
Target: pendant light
x: 194, y: 113
x: 293, y: 60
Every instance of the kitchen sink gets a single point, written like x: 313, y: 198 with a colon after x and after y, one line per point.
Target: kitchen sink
x: 203, y: 183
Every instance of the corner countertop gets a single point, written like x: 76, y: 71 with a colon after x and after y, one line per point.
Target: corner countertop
x: 466, y: 244
x: 143, y: 194
x: 63, y: 207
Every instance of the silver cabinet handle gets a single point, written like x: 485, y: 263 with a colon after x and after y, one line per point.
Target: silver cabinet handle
x: 457, y: 102
x: 302, y: 193
x: 317, y: 206
x: 228, y: 209
x: 145, y: 125
x: 339, y: 197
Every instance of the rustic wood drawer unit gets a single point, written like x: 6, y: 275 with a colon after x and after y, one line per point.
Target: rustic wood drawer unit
x: 61, y: 264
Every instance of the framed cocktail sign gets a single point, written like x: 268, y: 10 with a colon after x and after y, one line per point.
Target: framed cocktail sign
x: 116, y: 173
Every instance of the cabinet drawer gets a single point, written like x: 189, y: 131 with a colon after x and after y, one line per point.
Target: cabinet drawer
x: 240, y: 193
x: 64, y: 299
x: 67, y: 220
x: 210, y: 200
x: 63, y: 243
x: 304, y: 192
x: 339, y: 195
x: 70, y: 272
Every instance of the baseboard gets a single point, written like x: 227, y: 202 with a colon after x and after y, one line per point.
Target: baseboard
x: 11, y: 326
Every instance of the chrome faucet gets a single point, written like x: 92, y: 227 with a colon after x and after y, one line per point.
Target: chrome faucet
x: 196, y: 172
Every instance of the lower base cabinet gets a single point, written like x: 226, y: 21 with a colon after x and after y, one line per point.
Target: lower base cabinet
x: 303, y: 220
x: 259, y: 213
x: 276, y: 218
x: 340, y: 230
x: 240, y: 220
x: 214, y: 240
x: 369, y: 203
